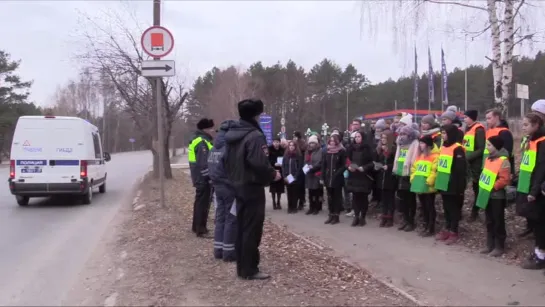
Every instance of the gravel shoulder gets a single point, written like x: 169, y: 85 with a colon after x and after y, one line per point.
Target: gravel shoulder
x: 153, y: 259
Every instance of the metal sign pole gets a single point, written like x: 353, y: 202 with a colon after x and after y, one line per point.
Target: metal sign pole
x: 160, y: 130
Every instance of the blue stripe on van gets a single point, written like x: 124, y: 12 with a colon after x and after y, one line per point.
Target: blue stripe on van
x: 32, y: 162
x: 64, y: 162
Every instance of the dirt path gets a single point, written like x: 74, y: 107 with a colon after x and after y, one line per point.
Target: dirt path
x: 434, y: 273
x: 155, y: 260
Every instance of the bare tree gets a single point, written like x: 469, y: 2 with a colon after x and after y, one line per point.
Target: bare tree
x: 507, y: 24
x: 114, y: 50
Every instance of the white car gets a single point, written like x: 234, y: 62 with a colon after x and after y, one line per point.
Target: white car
x: 52, y: 155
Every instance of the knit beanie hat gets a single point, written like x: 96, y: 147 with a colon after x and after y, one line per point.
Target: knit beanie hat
x: 428, y: 140
x: 407, y: 119
x: 539, y: 108
x: 312, y: 139
x: 450, y: 113
x: 380, y: 124
x: 496, y: 141
x: 428, y: 119
x: 472, y: 114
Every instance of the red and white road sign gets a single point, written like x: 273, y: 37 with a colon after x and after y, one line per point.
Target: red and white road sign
x: 157, y: 41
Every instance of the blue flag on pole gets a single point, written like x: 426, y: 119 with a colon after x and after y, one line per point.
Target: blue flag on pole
x: 444, y: 78
x: 431, y: 89
x: 415, y: 97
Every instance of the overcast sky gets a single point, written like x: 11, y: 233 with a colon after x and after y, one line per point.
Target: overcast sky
x: 44, y: 35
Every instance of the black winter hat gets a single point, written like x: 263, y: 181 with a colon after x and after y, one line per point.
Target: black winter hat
x: 250, y: 108
x: 298, y: 134
x: 496, y: 141
x: 427, y: 139
x: 205, y: 123
x: 472, y: 114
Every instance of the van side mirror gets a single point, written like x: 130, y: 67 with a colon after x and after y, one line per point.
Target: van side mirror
x: 107, y: 156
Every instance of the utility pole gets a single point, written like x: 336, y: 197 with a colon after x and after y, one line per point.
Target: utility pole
x: 347, y: 108
x: 160, y: 126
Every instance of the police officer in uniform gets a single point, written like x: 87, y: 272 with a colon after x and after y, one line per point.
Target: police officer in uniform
x: 198, y: 150
x: 225, y: 227
x: 248, y: 167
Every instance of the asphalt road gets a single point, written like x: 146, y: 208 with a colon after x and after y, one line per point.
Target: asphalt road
x: 43, y: 247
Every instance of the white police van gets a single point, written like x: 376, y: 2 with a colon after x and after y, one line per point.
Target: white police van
x: 52, y: 155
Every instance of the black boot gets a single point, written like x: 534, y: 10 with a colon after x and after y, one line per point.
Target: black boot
x: 363, y: 222
x: 329, y: 219
x: 410, y: 227
x: 309, y: 211
x: 403, y: 226
x: 389, y: 222
x: 489, y: 245
x: 355, y: 221
x: 383, y: 222
x: 533, y: 263
x: 335, y: 219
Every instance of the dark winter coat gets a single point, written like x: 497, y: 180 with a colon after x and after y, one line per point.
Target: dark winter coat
x: 292, y: 165
x: 274, y: 154
x: 361, y: 155
x: 508, y: 143
x: 216, y: 168
x: 385, y: 178
x: 314, y: 160
x: 458, y: 176
x: 333, y: 166
x: 537, y: 208
x: 199, y: 168
x: 475, y: 158
x: 246, y: 157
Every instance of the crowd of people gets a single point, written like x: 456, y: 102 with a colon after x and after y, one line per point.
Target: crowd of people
x: 397, y: 165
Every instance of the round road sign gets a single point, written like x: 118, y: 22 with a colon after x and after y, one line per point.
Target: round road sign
x: 157, y: 41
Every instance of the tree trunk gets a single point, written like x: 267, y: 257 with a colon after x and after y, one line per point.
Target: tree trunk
x: 496, y: 50
x: 507, y: 64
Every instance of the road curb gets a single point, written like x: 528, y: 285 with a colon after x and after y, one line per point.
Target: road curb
x: 135, y: 201
x: 354, y: 265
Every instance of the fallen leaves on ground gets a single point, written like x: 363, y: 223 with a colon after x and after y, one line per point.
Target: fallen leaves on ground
x: 166, y: 264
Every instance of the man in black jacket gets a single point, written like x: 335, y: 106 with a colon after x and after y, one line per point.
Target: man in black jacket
x: 198, y: 150
x: 248, y: 168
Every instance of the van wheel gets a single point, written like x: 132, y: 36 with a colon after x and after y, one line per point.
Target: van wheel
x: 102, y: 188
x: 22, y: 200
x: 88, y: 198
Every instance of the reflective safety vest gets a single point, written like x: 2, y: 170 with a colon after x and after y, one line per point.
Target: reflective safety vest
x: 490, y: 133
x: 423, y: 166
x: 401, y: 160
x: 191, y: 157
x: 469, y: 137
x: 437, y: 134
x: 487, y: 180
x: 444, y: 167
x: 527, y: 165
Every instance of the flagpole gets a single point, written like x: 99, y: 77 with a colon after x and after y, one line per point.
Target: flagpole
x: 465, y: 72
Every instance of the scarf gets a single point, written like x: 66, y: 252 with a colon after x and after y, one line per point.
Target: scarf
x: 334, y: 148
x: 431, y: 131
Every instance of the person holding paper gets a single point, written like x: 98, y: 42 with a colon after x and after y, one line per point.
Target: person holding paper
x: 276, y: 154
x: 333, y: 167
x: 291, y: 169
x: 313, y: 161
x: 359, y: 161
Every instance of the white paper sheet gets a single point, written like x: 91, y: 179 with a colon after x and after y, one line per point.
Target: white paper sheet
x: 306, y: 168
x: 279, y: 160
x: 233, y: 210
x: 290, y: 178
